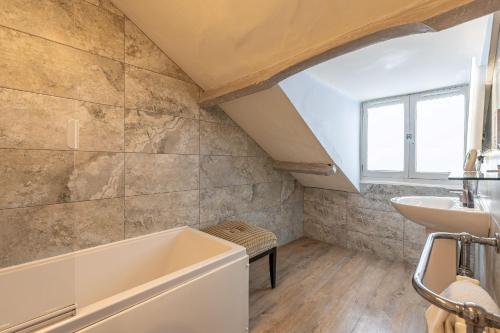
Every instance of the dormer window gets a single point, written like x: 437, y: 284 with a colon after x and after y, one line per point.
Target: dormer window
x: 421, y: 136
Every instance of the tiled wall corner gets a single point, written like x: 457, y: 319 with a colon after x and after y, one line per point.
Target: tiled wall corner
x: 366, y: 221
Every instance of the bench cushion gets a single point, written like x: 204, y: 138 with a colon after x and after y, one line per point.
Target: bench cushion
x: 255, y: 239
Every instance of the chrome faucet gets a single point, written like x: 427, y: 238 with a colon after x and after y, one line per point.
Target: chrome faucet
x: 467, y: 195
x: 469, y: 188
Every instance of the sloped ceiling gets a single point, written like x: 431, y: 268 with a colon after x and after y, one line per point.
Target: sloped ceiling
x: 274, y: 123
x: 220, y: 41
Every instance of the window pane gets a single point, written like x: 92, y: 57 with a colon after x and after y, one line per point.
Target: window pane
x: 439, y: 134
x: 385, y: 138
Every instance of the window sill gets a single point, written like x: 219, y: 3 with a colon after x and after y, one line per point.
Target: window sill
x: 442, y: 183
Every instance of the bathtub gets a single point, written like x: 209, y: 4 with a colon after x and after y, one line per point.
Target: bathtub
x: 175, y: 281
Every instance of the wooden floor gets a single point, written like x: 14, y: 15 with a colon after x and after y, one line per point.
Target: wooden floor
x: 323, y: 288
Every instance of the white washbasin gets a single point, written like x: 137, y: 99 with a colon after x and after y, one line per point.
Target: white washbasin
x: 444, y: 214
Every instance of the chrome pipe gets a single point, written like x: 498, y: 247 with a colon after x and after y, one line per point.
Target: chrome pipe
x: 464, y: 263
x: 475, y: 316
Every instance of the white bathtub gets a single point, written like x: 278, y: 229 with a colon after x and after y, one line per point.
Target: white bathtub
x: 176, y: 281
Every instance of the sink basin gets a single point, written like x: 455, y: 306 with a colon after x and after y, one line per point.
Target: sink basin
x: 444, y: 214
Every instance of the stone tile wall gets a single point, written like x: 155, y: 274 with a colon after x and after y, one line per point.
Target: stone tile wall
x: 366, y: 221
x: 149, y: 157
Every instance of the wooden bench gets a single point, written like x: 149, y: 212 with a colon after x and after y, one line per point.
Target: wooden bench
x: 259, y: 242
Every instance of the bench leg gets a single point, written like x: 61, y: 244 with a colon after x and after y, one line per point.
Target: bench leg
x: 272, y: 266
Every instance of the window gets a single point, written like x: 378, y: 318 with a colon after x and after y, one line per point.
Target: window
x: 415, y: 136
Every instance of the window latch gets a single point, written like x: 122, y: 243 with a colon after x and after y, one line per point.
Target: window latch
x: 409, y: 136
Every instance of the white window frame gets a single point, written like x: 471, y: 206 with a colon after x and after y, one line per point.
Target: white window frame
x: 364, y: 140
x: 409, y: 102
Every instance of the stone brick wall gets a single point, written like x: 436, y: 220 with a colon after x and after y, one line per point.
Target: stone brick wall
x: 149, y: 157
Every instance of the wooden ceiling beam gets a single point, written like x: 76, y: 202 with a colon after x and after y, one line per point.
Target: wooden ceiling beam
x: 435, y: 15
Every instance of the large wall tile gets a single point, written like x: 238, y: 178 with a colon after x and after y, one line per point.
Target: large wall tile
x: 159, y: 93
x: 157, y: 173
x: 33, y: 64
x: 34, y: 177
x: 34, y: 233
x: 97, y: 176
x: 155, y: 132
x: 70, y: 22
x: 267, y: 217
x: 424, y: 190
x: 325, y: 197
x: 44, y: 231
x: 216, y: 204
x: 108, y: 5
x: 99, y: 31
x: 332, y: 234
x: 412, y: 252
x: 378, y: 196
x: 414, y: 240
x: 289, y: 233
x: 51, y: 19
x: 140, y: 51
x: 383, y: 247
x: 101, y: 127
x: 97, y: 222
x: 292, y: 221
x: 388, y: 191
x: 376, y: 223
x: 150, y: 213
x: 370, y: 200
x: 325, y: 214
x: 221, y: 139
x: 215, y: 114
x: 216, y: 171
x: 291, y: 190
x: 292, y: 207
x: 34, y: 121
x: 270, y: 219
x: 414, y: 233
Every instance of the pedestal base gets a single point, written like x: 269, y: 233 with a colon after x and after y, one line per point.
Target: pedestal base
x: 442, y: 267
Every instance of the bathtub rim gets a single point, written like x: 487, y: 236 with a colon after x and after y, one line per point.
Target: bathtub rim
x: 121, y: 301
x: 60, y: 257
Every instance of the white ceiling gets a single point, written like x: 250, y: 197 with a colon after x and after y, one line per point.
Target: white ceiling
x: 407, y: 64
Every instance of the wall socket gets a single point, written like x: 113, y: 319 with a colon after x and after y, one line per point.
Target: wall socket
x: 73, y: 137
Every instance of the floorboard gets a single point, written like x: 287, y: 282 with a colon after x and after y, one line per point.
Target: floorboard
x: 324, y: 288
